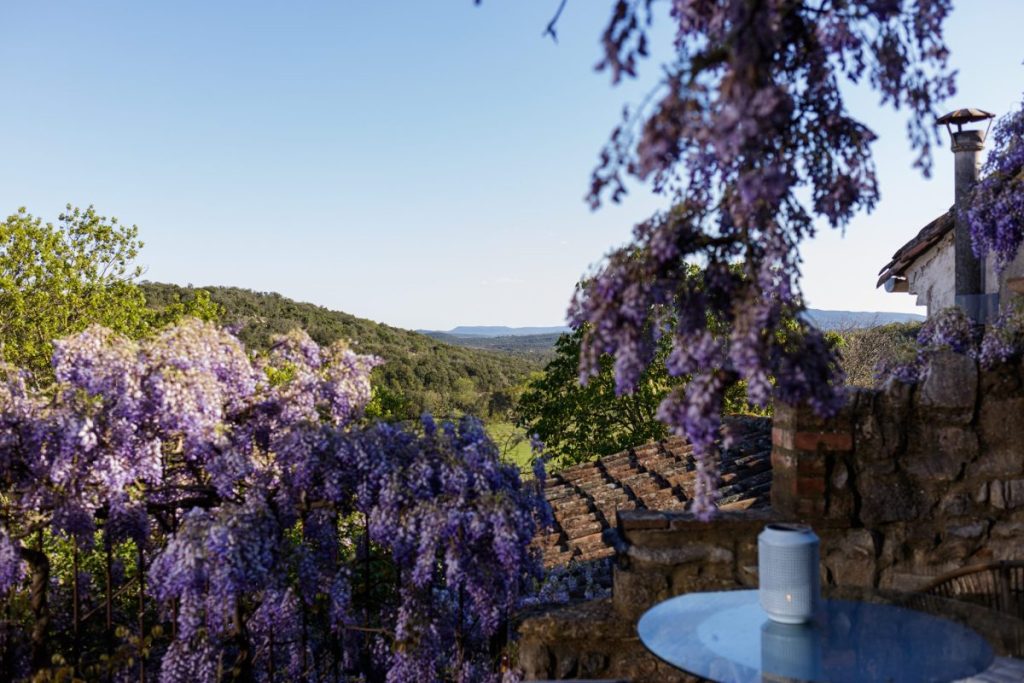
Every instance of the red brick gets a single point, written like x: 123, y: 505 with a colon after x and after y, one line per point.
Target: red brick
x: 810, y: 485
x: 784, y: 484
x: 829, y: 441
x: 811, y: 465
x: 783, y: 459
x: 782, y: 437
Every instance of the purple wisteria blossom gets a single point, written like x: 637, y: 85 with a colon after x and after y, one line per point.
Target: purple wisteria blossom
x: 749, y: 136
x: 282, y: 537
x: 948, y: 329
x: 993, y: 345
x: 995, y: 210
x: 1004, y: 339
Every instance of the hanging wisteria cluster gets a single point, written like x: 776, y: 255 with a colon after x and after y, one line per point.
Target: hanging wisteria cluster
x: 749, y: 136
x: 993, y: 345
x: 995, y: 210
x: 231, y: 518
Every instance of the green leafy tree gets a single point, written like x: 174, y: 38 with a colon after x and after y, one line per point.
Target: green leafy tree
x: 578, y: 422
x: 468, y: 398
x: 57, y: 280
x: 386, y: 404
x: 501, y: 404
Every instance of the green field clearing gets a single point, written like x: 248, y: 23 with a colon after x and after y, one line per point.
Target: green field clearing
x: 513, y: 442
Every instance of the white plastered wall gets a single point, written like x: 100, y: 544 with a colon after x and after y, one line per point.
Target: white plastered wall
x: 931, y: 276
x: 997, y: 282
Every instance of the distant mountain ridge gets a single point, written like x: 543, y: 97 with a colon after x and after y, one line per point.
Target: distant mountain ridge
x: 500, y: 331
x: 844, y: 320
x: 824, y: 319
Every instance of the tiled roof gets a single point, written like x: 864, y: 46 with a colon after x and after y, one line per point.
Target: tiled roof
x: 656, y: 476
x: 929, y: 236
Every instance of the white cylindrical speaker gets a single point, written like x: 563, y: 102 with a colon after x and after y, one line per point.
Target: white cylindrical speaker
x: 787, y: 564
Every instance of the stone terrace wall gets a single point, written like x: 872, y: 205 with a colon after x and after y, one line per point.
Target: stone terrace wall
x: 906, y: 483
x: 933, y: 472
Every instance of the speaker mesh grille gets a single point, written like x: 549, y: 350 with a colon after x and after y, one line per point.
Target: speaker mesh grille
x: 789, y: 574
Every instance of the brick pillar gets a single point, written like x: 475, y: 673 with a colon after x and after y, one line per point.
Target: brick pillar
x: 806, y: 450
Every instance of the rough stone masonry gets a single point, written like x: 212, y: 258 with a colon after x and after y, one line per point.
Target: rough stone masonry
x: 906, y: 483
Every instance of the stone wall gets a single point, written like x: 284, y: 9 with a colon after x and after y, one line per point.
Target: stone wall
x: 588, y: 641
x: 906, y: 483
x: 934, y: 473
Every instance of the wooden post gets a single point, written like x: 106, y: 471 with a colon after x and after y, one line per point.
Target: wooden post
x: 242, y: 669
x: 75, y: 635
x: 109, y: 602
x: 270, y: 658
x: 40, y: 567
x: 142, y: 613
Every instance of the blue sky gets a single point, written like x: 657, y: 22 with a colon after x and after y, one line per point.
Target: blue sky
x: 417, y: 163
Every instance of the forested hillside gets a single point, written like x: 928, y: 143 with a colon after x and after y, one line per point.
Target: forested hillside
x: 420, y: 374
x: 536, y: 347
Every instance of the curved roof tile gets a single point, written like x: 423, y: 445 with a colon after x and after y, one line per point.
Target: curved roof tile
x: 655, y: 476
x: 929, y: 236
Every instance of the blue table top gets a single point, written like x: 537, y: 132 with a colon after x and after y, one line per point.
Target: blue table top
x: 727, y: 637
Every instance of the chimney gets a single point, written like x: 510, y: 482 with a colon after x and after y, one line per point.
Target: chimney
x: 969, y: 269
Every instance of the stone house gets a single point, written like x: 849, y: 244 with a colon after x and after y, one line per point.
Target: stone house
x: 937, y: 265
x: 925, y: 267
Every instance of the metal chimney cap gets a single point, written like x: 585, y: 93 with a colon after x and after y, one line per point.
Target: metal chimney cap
x: 962, y: 116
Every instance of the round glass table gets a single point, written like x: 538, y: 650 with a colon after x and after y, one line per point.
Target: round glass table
x: 727, y: 637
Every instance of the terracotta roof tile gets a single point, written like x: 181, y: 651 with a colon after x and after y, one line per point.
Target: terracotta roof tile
x: 654, y: 476
x: 929, y: 236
